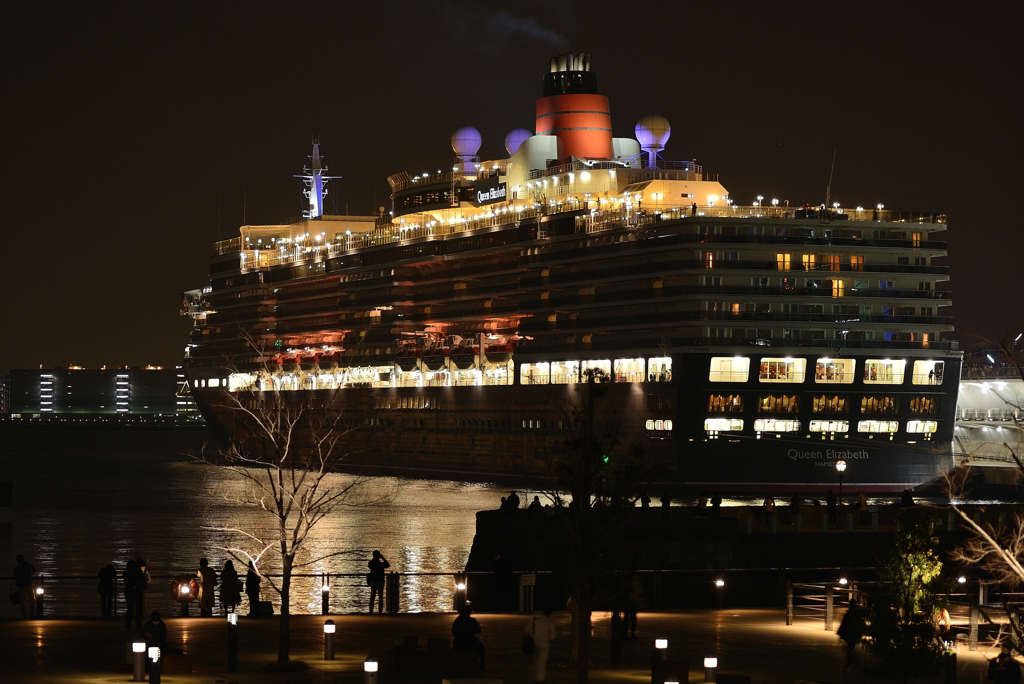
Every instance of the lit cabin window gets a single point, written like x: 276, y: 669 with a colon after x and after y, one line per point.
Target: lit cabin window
x: 824, y: 403
x: 776, y: 425
x: 534, y: 373
x: 884, y: 372
x: 922, y: 426
x: 778, y: 403
x: 878, y: 426
x: 659, y: 369
x: 601, y: 367
x: 565, y: 372
x: 725, y: 403
x: 829, y: 426
x: 834, y: 371
x: 927, y: 372
x: 629, y: 370
x: 924, y: 406
x: 723, y: 424
x: 729, y: 369
x: 782, y: 370
x: 214, y: 382
x: 876, y: 404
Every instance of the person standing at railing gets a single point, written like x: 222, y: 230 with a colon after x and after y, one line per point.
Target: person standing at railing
x: 230, y: 596
x: 207, y: 586
x: 252, y: 589
x: 133, y: 578
x: 106, y: 587
x: 375, y: 578
x: 24, y: 575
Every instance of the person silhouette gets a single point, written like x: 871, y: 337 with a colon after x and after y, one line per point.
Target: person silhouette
x: 377, y: 565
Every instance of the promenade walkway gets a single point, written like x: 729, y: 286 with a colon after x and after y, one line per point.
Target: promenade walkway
x: 752, y: 642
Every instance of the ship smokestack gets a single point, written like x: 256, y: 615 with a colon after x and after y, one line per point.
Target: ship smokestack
x: 572, y: 110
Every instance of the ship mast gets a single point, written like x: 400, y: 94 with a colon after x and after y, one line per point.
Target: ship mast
x: 316, y: 182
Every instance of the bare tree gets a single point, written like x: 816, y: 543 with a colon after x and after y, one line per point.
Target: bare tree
x: 287, y: 454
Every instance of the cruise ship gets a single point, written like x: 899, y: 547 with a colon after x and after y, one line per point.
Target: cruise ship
x: 746, y: 347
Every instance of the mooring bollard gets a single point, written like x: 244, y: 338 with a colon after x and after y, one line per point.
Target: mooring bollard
x: 329, y: 628
x: 325, y: 594
x: 154, y: 665
x: 232, y: 642
x: 138, y: 661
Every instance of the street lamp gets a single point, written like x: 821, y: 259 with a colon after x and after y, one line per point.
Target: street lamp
x: 841, y: 468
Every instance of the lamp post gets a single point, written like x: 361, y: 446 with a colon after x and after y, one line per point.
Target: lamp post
x: 155, y: 666
x: 710, y: 668
x: 658, y: 660
x: 39, y: 603
x: 325, y: 595
x: 138, y: 661
x: 840, y: 468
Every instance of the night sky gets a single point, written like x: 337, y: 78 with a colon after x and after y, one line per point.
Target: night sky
x: 132, y: 132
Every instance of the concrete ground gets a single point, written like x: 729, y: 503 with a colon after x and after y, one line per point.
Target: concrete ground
x: 754, y: 642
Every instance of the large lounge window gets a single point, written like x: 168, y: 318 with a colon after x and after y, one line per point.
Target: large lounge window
x: 829, y: 426
x: 835, y: 371
x: 723, y: 424
x: 924, y: 406
x: 629, y: 370
x: 534, y: 373
x: 659, y: 369
x: 876, y: 404
x: 776, y: 425
x: 777, y: 403
x: 782, y: 369
x: 729, y: 369
x: 922, y: 426
x: 725, y: 403
x: 884, y: 372
x: 927, y: 372
x: 829, y: 404
x: 878, y: 426
x: 602, y: 368
x: 565, y: 372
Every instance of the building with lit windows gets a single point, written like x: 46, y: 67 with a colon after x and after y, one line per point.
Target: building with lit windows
x: 745, y: 345
x: 43, y: 394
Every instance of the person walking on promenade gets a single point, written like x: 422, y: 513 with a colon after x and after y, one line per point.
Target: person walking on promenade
x: 144, y: 579
x: 108, y: 578
x: 378, y: 564
x: 230, y: 587
x: 23, y: 577
x: 207, y: 585
x: 132, y: 595
x: 465, y: 630
x: 252, y: 589
x: 543, y: 632
x: 851, y: 630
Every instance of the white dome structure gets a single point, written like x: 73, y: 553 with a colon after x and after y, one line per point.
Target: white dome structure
x: 466, y: 143
x: 515, y: 138
x: 652, y: 132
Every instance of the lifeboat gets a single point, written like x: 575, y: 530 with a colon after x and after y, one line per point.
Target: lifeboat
x: 464, y: 355
x: 329, y: 361
x: 435, y: 356
x: 408, y: 357
x: 275, y: 363
x: 499, y: 352
x: 308, y: 362
x: 291, y: 363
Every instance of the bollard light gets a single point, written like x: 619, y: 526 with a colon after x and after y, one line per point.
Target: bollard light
x: 370, y: 670
x: 154, y: 653
x: 719, y: 583
x: 138, y: 661
x: 661, y: 644
x: 329, y: 628
x: 233, y: 619
x: 155, y: 666
x: 710, y: 665
x: 232, y: 641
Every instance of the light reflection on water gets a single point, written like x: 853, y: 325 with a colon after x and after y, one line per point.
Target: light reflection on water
x: 83, y: 499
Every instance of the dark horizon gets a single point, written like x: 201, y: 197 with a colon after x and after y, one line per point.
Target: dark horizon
x: 136, y: 132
